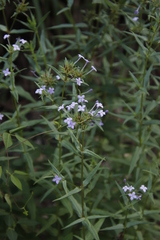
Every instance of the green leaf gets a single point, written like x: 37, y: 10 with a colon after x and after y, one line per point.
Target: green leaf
x: 7, y: 198
x: 18, y: 31
x: 20, y: 173
x: 63, y: 10
x: 42, y: 19
x: 97, y: 227
x: 70, y: 3
x: 135, y: 79
x: 16, y: 182
x: 119, y: 226
x: 24, y: 141
x: 7, y: 140
x: 88, y: 152
x: 91, y: 174
x: 11, y: 234
x: 50, y: 222
x: 147, y: 76
x: 75, y: 222
x: 0, y: 171
x: 73, y: 201
x: 134, y: 223
x: 75, y: 190
x: 3, y: 28
x: 91, y: 229
x: 25, y: 94
x: 135, y: 159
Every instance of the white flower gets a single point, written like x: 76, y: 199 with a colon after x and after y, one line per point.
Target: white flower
x: 81, y: 108
x: 1, y: 116
x: 79, y: 81
x: 99, y: 104
x: 6, y: 72
x: 61, y: 107
x: 81, y: 99
x: 132, y: 196
x: 92, y: 113
x: 143, y: 188
x: 57, y: 77
x: 125, y: 188
x: 135, y: 19
x: 22, y: 41
x: 101, y: 113
x: 131, y: 188
x: 16, y: 47
x: 39, y: 90
x: 94, y: 68
x: 6, y: 36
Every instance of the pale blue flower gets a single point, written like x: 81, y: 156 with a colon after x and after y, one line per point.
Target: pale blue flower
x: 71, y: 106
x: 70, y: 123
x: 136, y: 12
x: 56, y: 179
x: 6, y: 72
x: 50, y: 90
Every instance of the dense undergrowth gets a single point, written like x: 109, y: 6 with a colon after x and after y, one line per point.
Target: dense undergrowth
x: 79, y: 120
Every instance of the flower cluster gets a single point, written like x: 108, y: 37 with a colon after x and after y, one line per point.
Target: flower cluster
x: 132, y: 195
x: 43, y: 88
x: 79, y: 112
x: 17, y: 45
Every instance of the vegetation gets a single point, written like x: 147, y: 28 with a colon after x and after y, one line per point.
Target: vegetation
x: 79, y: 120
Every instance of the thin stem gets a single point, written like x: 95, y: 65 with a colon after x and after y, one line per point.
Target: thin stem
x: 4, y: 17
x: 60, y: 117
x: 82, y: 189
x: 44, y: 59
x: 142, y: 96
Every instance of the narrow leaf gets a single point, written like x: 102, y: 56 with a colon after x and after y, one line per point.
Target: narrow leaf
x: 147, y: 76
x: 135, y: 159
x: 24, y: 141
x: 91, y: 174
x: 16, y: 182
x: 0, y: 171
x: 7, y: 140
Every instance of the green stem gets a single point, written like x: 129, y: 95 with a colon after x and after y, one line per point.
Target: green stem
x: 60, y: 118
x: 142, y: 96
x: 44, y: 59
x: 82, y: 188
x: 4, y: 17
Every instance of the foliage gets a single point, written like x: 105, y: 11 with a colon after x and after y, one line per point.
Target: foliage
x: 64, y: 173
